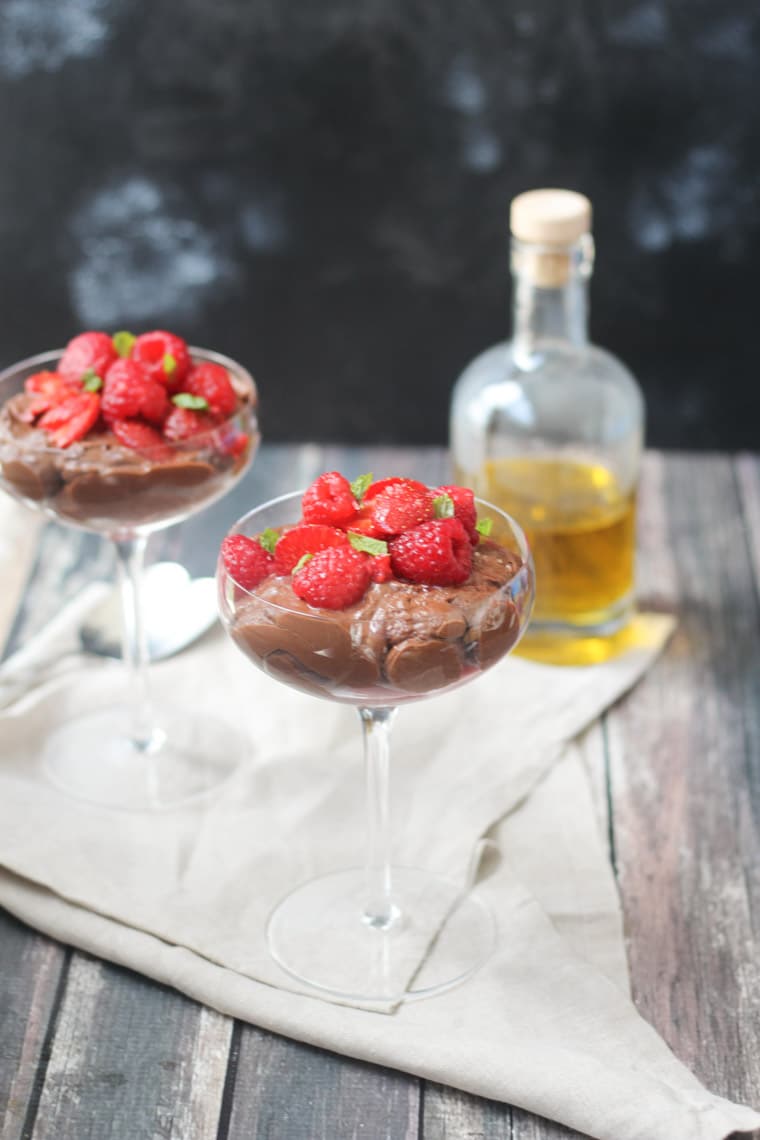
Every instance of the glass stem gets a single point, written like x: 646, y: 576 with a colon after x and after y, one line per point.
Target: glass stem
x: 379, y: 910
x: 130, y: 559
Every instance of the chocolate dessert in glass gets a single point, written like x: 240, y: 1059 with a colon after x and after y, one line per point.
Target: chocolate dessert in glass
x: 375, y: 594
x: 123, y: 436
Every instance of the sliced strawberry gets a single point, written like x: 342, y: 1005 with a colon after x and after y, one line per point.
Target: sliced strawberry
x: 89, y: 351
x: 307, y: 538
x: 48, y: 389
x: 72, y: 418
x: 381, y: 485
x: 363, y: 523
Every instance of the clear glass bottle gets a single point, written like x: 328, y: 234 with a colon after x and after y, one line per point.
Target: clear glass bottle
x: 550, y: 428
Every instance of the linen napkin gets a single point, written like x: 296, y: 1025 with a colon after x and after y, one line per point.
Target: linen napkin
x: 183, y: 896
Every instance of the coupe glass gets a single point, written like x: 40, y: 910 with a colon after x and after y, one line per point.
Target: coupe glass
x: 132, y: 756
x: 355, y: 656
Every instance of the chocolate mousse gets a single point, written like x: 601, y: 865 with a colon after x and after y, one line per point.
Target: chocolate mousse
x: 400, y: 640
x: 99, y: 483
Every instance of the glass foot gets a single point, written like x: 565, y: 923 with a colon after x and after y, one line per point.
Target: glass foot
x: 320, y: 936
x: 93, y: 758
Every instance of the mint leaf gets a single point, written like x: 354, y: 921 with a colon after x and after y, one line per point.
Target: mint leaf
x: 268, y: 539
x: 302, y: 562
x: 91, y: 382
x: 443, y: 507
x: 359, y: 486
x: 484, y: 527
x: 366, y: 544
x: 169, y: 364
x: 187, y: 400
x: 123, y: 341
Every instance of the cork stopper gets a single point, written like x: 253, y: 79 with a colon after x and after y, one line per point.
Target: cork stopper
x: 547, y: 218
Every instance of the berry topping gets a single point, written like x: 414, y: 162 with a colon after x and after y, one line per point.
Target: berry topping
x: 305, y: 539
x: 90, y: 352
x: 72, y: 418
x: 380, y: 568
x: 463, y: 504
x: 212, y: 383
x: 129, y: 391
x: 48, y: 389
x: 333, y: 578
x: 246, y: 560
x: 329, y: 500
x: 401, y: 506
x: 185, y: 423
x: 141, y: 437
x: 438, y: 553
x: 165, y: 357
x: 380, y: 485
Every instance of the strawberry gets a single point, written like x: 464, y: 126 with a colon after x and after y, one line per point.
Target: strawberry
x: 438, y: 553
x: 329, y: 500
x: 72, y: 418
x: 164, y: 356
x: 48, y: 389
x: 401, y: 506
x: 246, y: 560
x: 363, y: 523
x: 381, y: 485
x: 464, y: 508
x: 213, y: 383
x: 129, y: 391
x: 333, y: 578
x: 185, y: 423
x: 304, y: 539
x: 141, y: 437
x: 90, y: 351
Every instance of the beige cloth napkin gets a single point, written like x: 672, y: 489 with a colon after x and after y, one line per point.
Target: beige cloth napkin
x: 183, y: 896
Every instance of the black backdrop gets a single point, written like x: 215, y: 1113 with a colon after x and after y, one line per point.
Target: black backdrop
x: 321, y: 189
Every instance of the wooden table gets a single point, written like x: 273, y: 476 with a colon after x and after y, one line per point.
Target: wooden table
x: 89, y: 1051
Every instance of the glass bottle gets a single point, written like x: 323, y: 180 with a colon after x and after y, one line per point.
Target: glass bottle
x: 550, y: 428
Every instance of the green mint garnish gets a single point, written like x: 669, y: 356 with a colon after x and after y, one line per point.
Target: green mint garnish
x: 268, y: 539
x: 366, y: 544
x: 302, y: 562
x: 443, y: 507
x: 187, y: 400
x: 484, y: 527
x: 91, y: 382
x: 170, y: 364
x: 359, y: 486
x: 123, y: 341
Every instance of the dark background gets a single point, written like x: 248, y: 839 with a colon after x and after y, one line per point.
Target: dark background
x: 321, y: 189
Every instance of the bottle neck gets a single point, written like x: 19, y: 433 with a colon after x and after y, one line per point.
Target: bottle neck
x: 550, y: 297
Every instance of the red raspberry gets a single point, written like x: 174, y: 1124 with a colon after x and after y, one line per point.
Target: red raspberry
x: 333, y: 578
x: 464, y: 508
x: 401, y: 506
x: 380, y: 568
x: 93, y: 350
x: 246, y: 560
x: 381, y: 485
x: 184, y: 423
x: 72, y: 418
x: 438, y: 553
x: 305, y: 539
x: 329, y: 500
x: 213, y: 383
x: 128, y: 392
x: 47, y: 389
x: 165, y: 357
x: 141, y: 437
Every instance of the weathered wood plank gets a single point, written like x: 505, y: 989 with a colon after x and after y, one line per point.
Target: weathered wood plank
x: 290, y: 1091
x: 682, y: 783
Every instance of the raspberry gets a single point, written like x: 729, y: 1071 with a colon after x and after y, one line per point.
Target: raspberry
x: 141, y: 437
x: 381, y: 485
x: 246, y: 560
x: 329, y: 500
x: 333, y: 578
x: 184, y: 423
x: 401, y: 506
x: 128, y: 391
x: 380, y: 568
x: 213, y: 383
x: 438, y: 553
x: 464, y: 508
x: 72, y: 418
x: 47, y: 389
x: 89, y: 350
x: 165, y: 357
x: 305, y: 539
